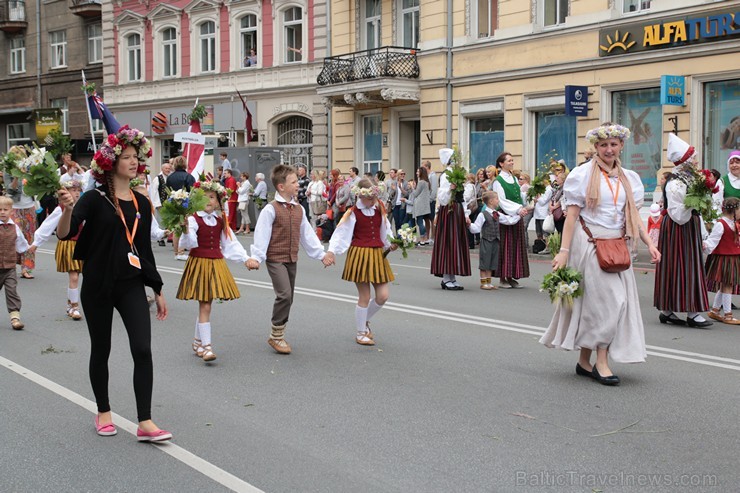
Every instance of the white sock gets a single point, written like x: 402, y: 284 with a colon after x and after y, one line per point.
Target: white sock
x: 447, y: 278
x: 361, y: 318
x: 205, y: 333
x: 727, y: 302
x: 73, y: 295
x: 373, y: 308
x: 696, y: 316
x: 718, y: 300
x: 667, y: 313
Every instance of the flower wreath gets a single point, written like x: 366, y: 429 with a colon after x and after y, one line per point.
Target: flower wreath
x: 72, y: 184
x: 105, y: 157
x: 213, y: 186
x: 607, y: 131
x: 373, y: 191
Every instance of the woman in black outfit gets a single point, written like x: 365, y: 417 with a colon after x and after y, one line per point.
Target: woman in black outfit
x: 118, y: 263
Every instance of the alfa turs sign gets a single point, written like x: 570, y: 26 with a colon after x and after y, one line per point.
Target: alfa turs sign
x: 669, y: 33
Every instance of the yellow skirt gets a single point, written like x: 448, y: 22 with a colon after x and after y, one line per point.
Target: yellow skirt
x: 63, y: 255
x: 207, y: 279
x: 367, y: 265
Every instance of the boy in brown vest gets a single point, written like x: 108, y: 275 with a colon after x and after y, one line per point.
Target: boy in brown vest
x: 12, y: 242
x: 282, y: 225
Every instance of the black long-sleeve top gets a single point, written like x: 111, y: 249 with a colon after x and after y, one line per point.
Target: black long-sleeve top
x: 103, y: 245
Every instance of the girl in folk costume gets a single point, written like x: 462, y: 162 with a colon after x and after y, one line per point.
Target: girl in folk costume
x: 363, y: 233
x: 513, y: 261
x: 206, y: 276
x: 602, y: 200
x: 731, y: 181
x: 653, y: 225
x: 723, y: 261
x: 450, y: 255
x: 64, y: 253
x: 680, y: 280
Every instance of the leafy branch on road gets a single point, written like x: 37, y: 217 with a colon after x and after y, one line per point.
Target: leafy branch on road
x: 625, y: 429
x: 52, y: 350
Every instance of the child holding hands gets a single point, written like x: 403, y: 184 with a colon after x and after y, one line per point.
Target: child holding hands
x: 723, y: 261
x: 12, y: 242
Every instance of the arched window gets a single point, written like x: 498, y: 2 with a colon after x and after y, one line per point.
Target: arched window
x: 295, y: 138
x: 208, y: 47
x: 169, y: 52
x: 248, y: 40
x: 133, y: 49
x: 293, y: 34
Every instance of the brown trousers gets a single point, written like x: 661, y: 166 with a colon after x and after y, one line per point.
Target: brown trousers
x: 9, y: 281
x: 283, y: 282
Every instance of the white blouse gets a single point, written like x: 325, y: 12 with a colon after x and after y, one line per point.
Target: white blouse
x: 244, y: 190
x: 507, y: 206
x: 717, y: 231
x: 477, y: 226
x: 606, y: 214
x: 675, y: 192
x: 230, y: 248
x: 542, y: 204
x: 47, y: 228
x: 341, y: 239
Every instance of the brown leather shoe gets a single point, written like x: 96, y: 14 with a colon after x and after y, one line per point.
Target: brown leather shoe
x: 714, y: 314
x: 730, y: 319
x: 279, y: 345
x: 364, y: 339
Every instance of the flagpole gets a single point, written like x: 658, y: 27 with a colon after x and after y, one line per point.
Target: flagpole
x: 89, y: 115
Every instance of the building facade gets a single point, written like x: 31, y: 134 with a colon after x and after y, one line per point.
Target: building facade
x: 45, y: 46
x: 162, y: 56
x: 492, y: 75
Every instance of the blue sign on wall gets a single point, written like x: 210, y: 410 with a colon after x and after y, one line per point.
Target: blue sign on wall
x: 576, y: 100
x: 673, y: 90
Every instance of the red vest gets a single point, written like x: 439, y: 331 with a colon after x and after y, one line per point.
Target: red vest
x: 367, y: 230
x: 726, y: 245
x: 209, y: 239
x: 79, y: 230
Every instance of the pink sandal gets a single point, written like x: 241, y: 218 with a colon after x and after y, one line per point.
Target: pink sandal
x: 107, y: 430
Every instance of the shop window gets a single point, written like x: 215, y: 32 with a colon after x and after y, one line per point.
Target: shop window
x: 556, y: 137
x: 632, y: 6
x: 58, y: 45
x: 61, y: 103
x: 555, y: 12
x: 248, y: 37
x: 293, y: 34
x: 410, y: 23
x: 486, y: 141
x: 372, y: 143
x: 640, y: 110
x: 169, y: 52
x: 95, y: 43
x: 17, y: 55
x: 721, y: 122
x: 133, y: 58
x: 208, y: 46
x: 486, y: 13
x: 18, y: 134
x: 372, y: 24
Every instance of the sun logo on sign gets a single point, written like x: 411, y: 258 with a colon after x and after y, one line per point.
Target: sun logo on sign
x: 617, y: 42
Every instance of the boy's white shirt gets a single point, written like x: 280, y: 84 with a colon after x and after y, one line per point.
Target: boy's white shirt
x: 477, y: 226
x: 341, y: 239
x: 21, y: 245
x: 230, y: 247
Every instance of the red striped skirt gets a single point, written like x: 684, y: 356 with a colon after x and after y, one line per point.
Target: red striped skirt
x: 680, y: 279
x: 451, y: 254
x: 512, y: 260
x: 723, y: 270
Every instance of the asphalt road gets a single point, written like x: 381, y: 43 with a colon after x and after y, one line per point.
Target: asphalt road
x: 456, y: 396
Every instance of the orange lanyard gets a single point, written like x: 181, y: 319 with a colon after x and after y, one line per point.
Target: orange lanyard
x: 130, y: 234
x: 615, y: 195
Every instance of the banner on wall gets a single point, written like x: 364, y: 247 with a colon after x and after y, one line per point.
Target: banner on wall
x: 47, y: 119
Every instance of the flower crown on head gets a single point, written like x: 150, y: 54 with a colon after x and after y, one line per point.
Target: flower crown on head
x: 608, y: 131
x: 72, y: 184
x: 213, y: 186
x: 106, y: 155
x: 373, y: 191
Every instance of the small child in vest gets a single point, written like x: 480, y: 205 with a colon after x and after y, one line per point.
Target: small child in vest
x: 281, y: 227
x: 12, y: 242
x: 206, y: 276
x: 363, y: 234
x: 653, y: 224
x: 723, y: 261
x: 64, y: 251
x: 487, y: 224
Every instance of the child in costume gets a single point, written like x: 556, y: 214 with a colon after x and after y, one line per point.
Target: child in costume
x: 653, y: 225
x: 64, y: 251
x: 487, y: 224
x: 206, y: 276
x: 12, y: 242
x: 281, y: 226
x: 363, y: 233
x: 723, y: 261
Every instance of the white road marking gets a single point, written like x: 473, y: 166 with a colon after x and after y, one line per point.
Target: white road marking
x: 188, y: 458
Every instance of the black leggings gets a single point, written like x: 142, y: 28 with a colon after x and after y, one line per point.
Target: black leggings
x: 129, y: 298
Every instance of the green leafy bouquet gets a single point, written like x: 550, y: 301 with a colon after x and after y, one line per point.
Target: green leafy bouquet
x: 38, y: 172
x: 553, y: 243
x: 699, y: 192
x: 542, y: 175
x: 198, y: 113
x: 563, y: 286
x: 457, y: 176
x: 406, y: 239
x: 179, y: 205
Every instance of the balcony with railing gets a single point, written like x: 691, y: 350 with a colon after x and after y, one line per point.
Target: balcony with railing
x: 86, y: 8
x: 13, y: 16
x: 375, y: 77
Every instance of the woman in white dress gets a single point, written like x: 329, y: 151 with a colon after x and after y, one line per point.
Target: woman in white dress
x: 606, y: 318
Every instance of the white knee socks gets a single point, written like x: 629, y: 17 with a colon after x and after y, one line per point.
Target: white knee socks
x: 205, y: 333
x: 373, y: 308
x: 361, y: 318
x: 73, y: 295
x: 718, y: 300
x: 197, y: 330
x: 727, y: 302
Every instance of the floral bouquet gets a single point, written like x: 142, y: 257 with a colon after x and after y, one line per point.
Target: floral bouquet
x: 38, y: 170
x: 136, y: 182
x: 457, y: 176
x: 553, y: 243
x: 538, y: 185
x: 179, y: 205
x: 406, y: 239
x: 10, y: 160
x: 563, y: 285
x: 699, y: 192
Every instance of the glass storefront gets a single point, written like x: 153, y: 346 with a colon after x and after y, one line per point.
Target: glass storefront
x: 556, y: 138
x: 486, y: 141
x: 640, y: 110
x: 721, y: 123
x: 372, y: 148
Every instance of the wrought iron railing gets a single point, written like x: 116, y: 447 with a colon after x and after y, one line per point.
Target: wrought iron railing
x: 389, y: 61
x: 15, y: 11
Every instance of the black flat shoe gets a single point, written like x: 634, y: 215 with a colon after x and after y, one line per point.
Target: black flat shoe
x: 610, y: 380
x: 583, y: 372
x: 699, y: 325
x: 449, y: 286
x: 672, y: 319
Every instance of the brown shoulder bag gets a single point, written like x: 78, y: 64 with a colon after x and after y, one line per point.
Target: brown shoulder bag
x: 612, y: 254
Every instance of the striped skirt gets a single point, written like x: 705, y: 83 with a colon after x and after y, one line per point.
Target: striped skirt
x: 451, y: 254
x: 723, y: 270
x: 680, y: 279
x: 207, y: 279
x: 367, y: 265
x: 513, y: 262
x: 63, y: 255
